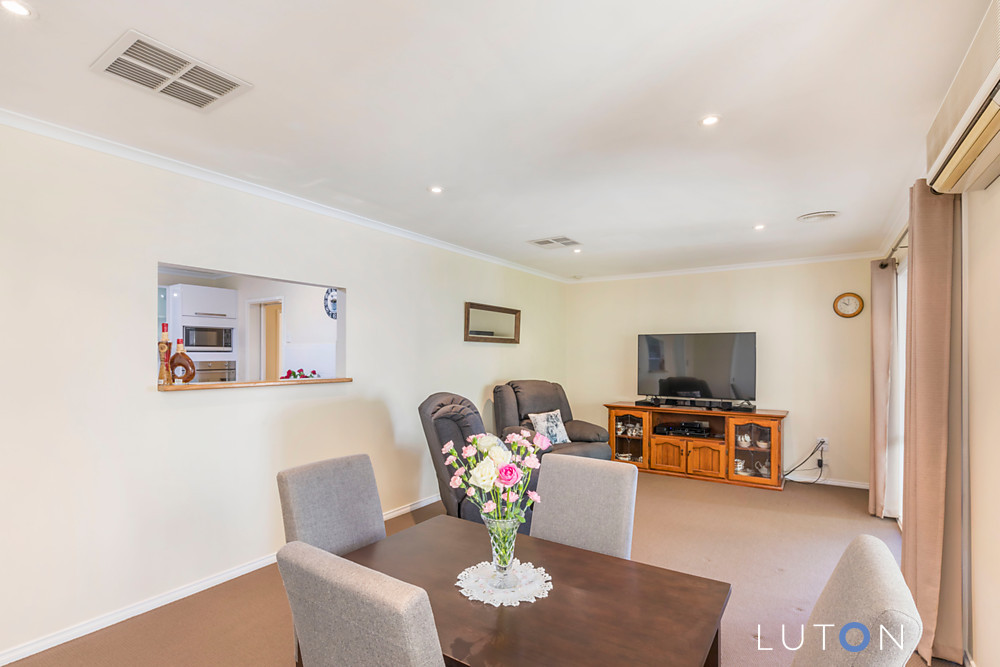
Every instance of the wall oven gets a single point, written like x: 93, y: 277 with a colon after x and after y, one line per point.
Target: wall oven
x: 208, y: 339
x: 215, y: 371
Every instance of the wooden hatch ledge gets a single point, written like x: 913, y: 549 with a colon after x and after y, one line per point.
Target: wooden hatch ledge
x: 233, y: 385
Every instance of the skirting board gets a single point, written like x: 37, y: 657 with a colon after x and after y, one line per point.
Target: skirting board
x: 93, y: 625
x: 832, y: 482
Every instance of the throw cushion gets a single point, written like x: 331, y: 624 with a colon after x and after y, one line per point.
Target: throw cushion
x: 550, y: 424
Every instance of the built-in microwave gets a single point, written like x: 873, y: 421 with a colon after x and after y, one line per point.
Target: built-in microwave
x: 208, y: 339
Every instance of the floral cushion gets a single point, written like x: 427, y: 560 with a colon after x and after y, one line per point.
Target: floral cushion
x: 550, y: 424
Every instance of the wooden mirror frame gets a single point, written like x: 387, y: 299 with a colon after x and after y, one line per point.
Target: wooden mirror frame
x: 469, y: 306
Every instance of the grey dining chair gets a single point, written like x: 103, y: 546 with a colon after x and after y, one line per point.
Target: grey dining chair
x: 332, y: 504
x: 586, y: 503
x: 866, y: 588
x: 348, y: 614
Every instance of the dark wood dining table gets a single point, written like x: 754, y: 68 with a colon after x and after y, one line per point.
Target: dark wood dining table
x: 601, y: 610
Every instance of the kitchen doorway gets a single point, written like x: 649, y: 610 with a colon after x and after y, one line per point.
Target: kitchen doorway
x: 264, y: 340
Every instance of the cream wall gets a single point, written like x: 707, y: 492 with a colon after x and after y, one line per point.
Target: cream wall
x: 111, y: 492
x: 984, y: 455
x: 810, y: 362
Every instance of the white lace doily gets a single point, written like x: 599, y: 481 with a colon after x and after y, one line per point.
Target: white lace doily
x: 532, y: 583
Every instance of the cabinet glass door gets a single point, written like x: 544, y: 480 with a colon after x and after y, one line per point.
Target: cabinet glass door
x: 628, y: 434
x: 752, y: 452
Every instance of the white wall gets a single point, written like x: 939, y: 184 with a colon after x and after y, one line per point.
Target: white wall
x: 112, y: 492
x: 984, y: 454
x: 810, y: 361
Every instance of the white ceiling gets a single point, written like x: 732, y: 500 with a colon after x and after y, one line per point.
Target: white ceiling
x: 542, y: 118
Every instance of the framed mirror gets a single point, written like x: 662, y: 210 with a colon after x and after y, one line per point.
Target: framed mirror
x: 491, y: 324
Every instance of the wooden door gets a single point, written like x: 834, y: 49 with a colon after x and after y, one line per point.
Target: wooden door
x: 272, y: 341
x: 667, y: 453
x: 707, y: 459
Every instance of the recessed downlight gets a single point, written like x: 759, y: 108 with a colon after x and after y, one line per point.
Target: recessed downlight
x: 817, y: 216
x: 435, y: 189
x: 15, y: 7
x: 710, y: 120
x: 758, y: 228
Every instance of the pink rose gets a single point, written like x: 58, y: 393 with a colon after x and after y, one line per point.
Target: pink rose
x: 456, y: 482
x: 531, y: 461
x: 534, y: 497
x: 542, y: 442
x: 470, y: 492
x: 468, y: 451
x: 489, y: 507
x: 447, y: 447
x: 508, y: 475
x: 448, y: 461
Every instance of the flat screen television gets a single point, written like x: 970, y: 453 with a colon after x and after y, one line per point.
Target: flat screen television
x: 719, y: 366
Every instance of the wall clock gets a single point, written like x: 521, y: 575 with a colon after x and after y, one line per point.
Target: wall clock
x: 848, y: 304
x: 330, y: 302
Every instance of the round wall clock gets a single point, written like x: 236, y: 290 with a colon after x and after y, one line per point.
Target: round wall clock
x: 330, y: 303
x: 848, y: 304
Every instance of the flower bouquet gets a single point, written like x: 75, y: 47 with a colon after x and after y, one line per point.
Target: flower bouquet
x: 495, y: 475
x: 299, y: 375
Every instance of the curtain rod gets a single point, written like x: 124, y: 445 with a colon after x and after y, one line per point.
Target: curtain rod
x: 895, y: 246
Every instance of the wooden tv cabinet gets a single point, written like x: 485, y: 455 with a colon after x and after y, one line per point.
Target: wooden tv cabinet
x: 751, y: 437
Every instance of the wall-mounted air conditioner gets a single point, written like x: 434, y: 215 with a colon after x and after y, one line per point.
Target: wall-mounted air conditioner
x: 962, y: 150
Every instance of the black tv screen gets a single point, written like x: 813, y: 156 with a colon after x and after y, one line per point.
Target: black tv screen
x: 699, y: 366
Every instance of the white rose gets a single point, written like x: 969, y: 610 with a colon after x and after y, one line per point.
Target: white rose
x: 484, y: 475
x: 487, y: 441
x: 499, y: 455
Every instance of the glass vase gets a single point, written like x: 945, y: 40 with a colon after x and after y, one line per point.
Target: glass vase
x: 502, y: 532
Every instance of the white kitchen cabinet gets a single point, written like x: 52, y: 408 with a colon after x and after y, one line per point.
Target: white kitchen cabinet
x: 198, y: 301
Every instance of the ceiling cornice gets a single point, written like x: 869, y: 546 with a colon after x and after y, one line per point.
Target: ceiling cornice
x: 101, y: 145
x: 108, y: 147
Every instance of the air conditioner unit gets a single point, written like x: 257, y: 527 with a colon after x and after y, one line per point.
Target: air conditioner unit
x: 962, y: 151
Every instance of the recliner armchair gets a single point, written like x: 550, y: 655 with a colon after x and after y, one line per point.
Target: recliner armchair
x: 514, y: 401
x: 445, y: 417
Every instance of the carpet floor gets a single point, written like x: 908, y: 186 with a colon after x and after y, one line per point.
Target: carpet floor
x: 776, y: 549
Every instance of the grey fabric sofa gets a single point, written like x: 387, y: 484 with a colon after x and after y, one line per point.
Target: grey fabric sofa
x: 445, y: 417
x: 514, y: 401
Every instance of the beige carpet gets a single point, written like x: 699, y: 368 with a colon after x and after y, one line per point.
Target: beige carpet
x: 777, y: 549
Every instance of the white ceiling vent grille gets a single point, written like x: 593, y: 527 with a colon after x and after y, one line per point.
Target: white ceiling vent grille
x: 554, y: 242
x: 165, y: 71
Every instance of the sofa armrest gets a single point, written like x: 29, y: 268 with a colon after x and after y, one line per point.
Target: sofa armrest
x: 581, y: 431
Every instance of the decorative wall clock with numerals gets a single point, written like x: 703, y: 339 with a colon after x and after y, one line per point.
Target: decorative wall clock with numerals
x: 848, y: 304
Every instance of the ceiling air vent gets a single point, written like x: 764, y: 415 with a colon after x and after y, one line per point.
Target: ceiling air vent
x: 554, y: 242
x: 165, y: 71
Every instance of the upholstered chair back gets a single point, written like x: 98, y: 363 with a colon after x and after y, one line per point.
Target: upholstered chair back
x: 333, y: 504
x: 586, y: 503
x: 347, y: 614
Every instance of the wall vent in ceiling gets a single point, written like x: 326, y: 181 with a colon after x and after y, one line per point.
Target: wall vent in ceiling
x: 554, y: 242
x: 164, y: 71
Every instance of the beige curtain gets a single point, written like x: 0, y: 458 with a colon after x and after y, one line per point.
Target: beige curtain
x: 928, y: 369
x: 883, y: 304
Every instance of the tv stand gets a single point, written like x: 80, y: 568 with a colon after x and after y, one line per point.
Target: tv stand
x: 736, y: 448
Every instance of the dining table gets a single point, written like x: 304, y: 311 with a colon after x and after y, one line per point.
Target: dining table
x: 601, y: 610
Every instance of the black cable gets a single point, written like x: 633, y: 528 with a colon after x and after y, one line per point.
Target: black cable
x: 806, y: 459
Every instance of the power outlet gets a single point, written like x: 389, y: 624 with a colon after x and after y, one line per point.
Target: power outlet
x: 822, y: 445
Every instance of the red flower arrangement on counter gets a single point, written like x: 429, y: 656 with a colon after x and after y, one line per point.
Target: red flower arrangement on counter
x: 299, y: 375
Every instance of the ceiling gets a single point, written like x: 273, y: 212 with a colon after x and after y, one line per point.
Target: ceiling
x: 546, y: 118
